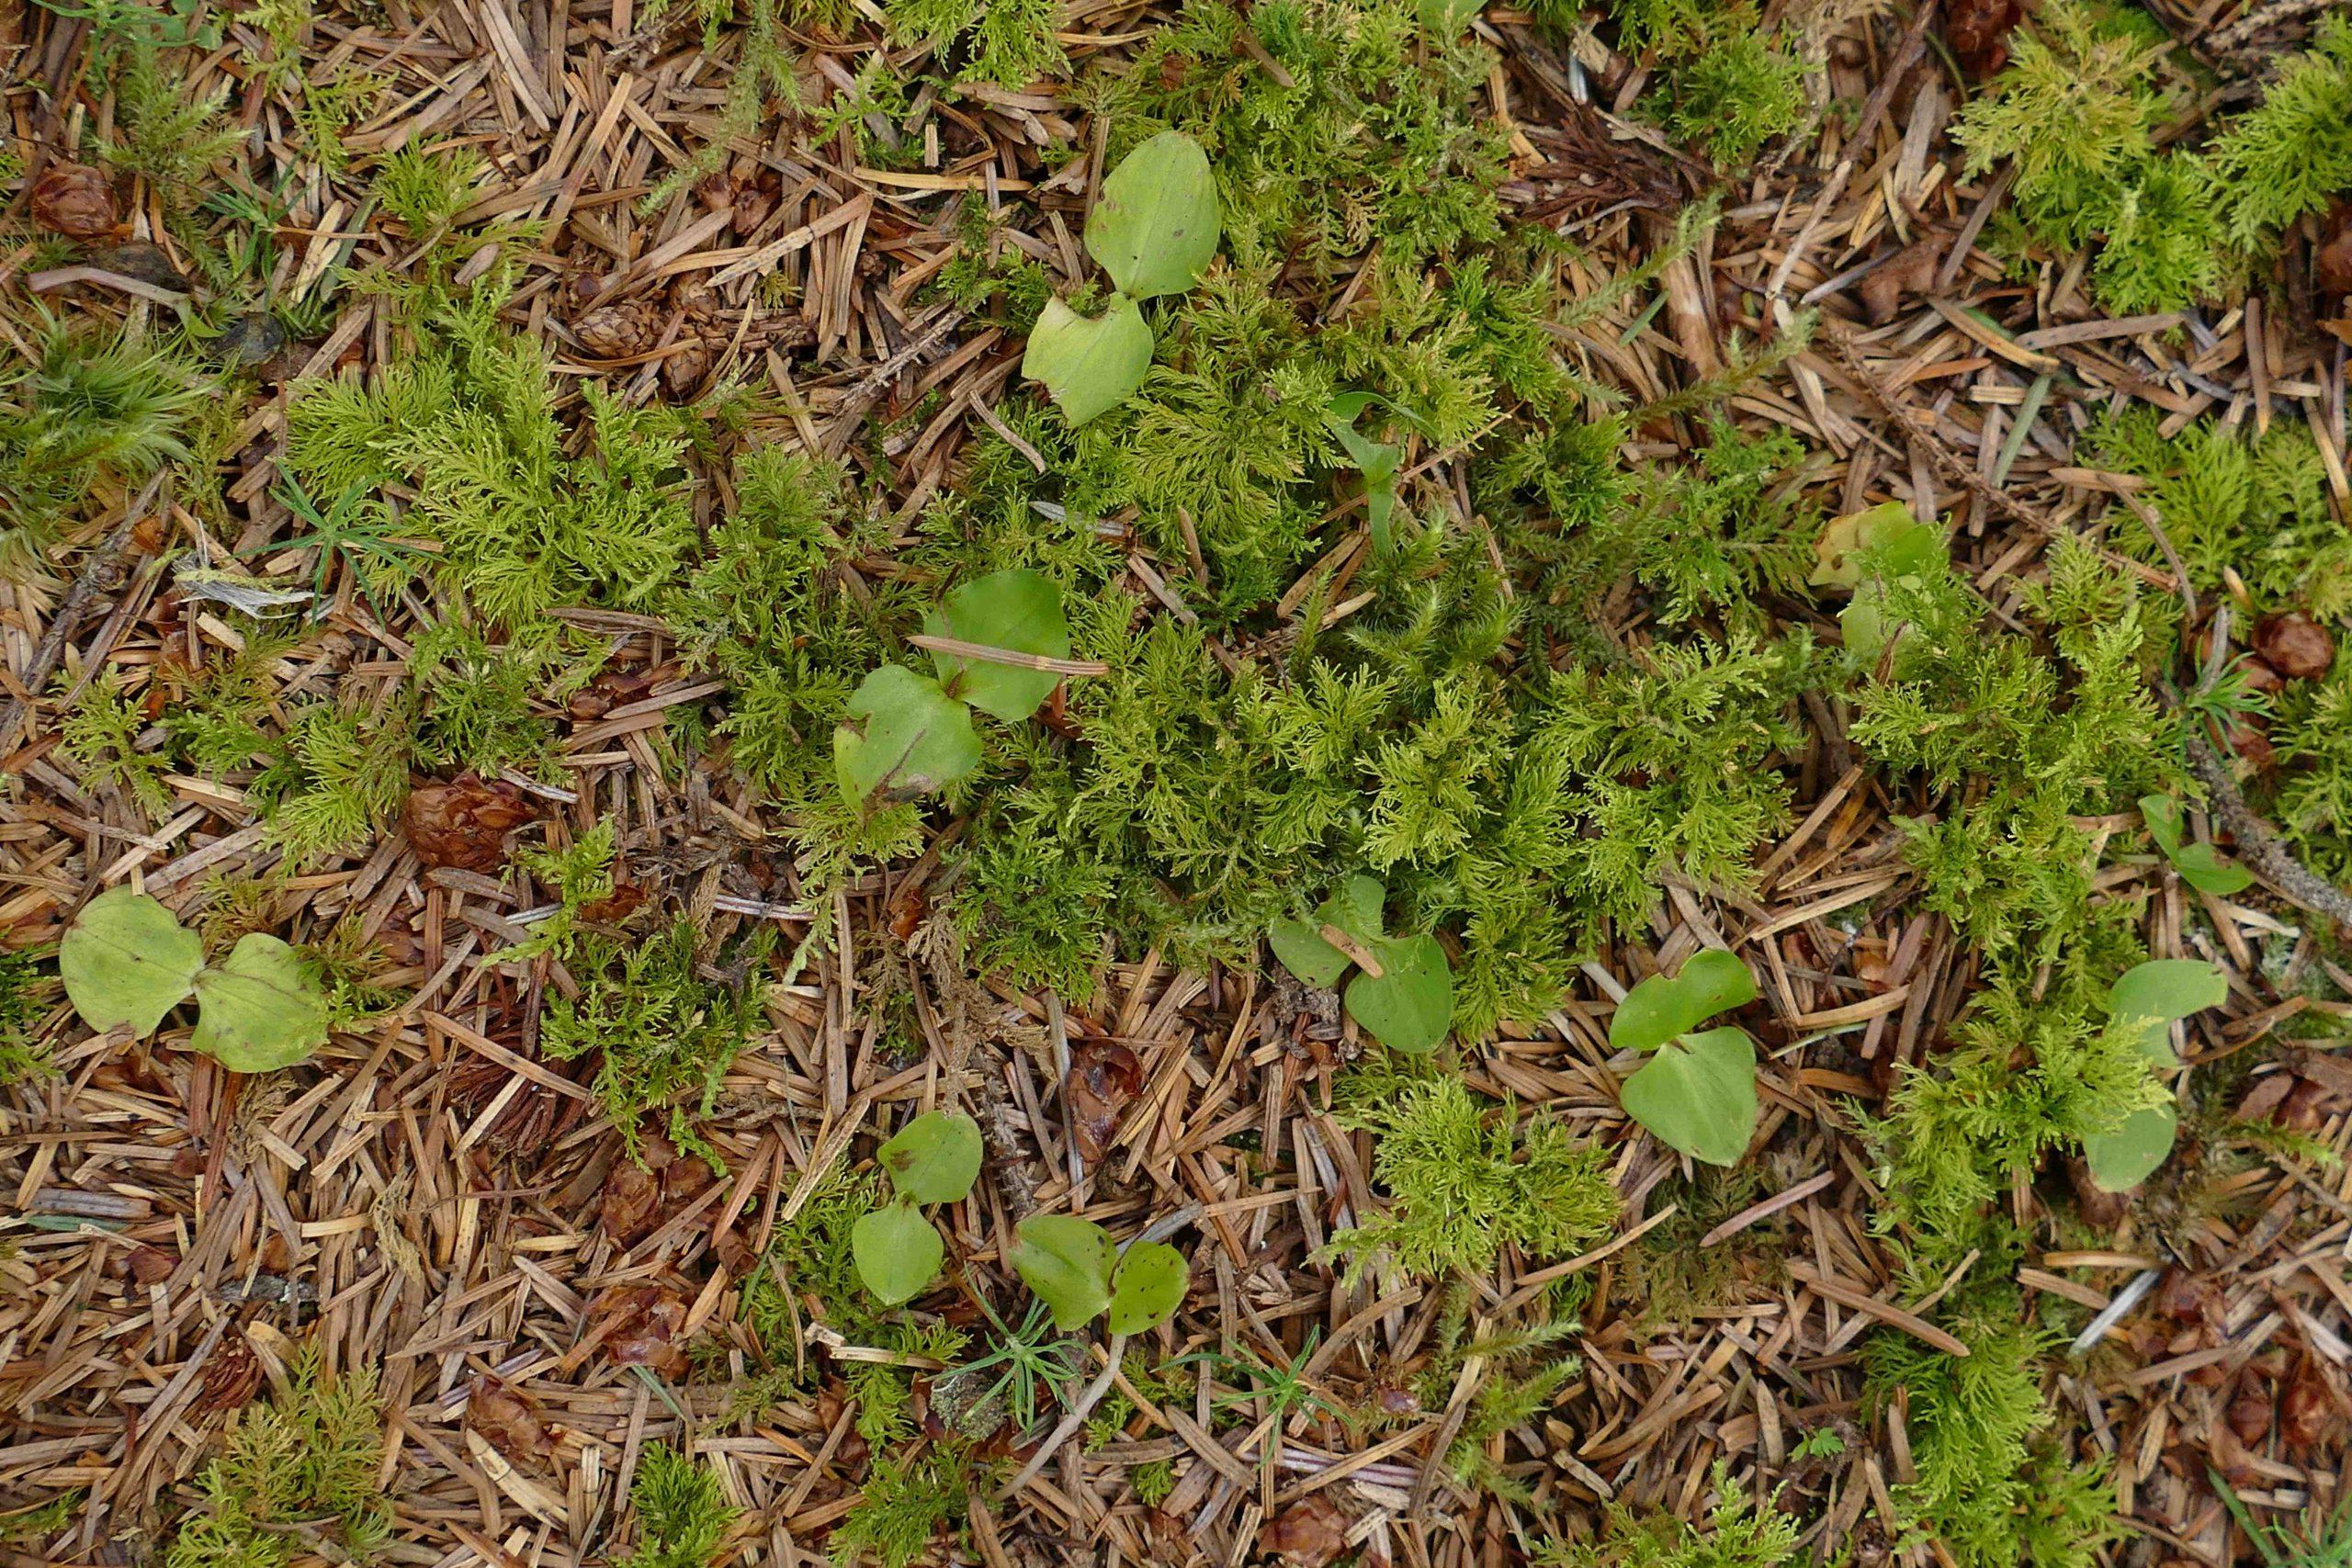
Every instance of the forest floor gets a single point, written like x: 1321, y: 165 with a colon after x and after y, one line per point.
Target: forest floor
x: 508, y: 429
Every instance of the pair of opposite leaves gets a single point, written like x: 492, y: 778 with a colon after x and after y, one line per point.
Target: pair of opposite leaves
x: 1698, y: 1093
x: 125, y: 960
x: 1154, y: 229
x: 1068, y: 1262
x: 908, y: 734
x: 1404, y: 997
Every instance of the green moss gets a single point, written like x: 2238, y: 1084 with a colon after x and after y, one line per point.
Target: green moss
x: 2292, y: 154
x: 1740, y: 1531
x: 307, y: 1456
x: 1374, y: 138
x: 1989, y: 1489
x: 659, y: 1031
x: 683, y: 1512
x: 2010, y: 744
x: 1736, y: 95
x: 470, y: 422
x: 2030, y: 1076
x: 1008, y: 42
x: 100, y: 735
x: 22, y: 1058
x: 85, y: 407
x: 1462, y: 1185
x: 2233, y: 502
x: 904, y: 1505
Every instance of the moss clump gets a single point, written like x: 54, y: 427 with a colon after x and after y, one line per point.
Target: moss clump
x: 2011, y: 743
x: 1740, y: 1531
x: 1462, y: 1185
x: 1990, y: 1490
x: 307, y: 1456
x: 1374, y: 138
x: 683, y: 1512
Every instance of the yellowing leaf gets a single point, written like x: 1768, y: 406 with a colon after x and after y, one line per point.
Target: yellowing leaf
x: 1090, y: 366
x: 261, y: 1011
x: 125, y: 960
x: 1154, y: 227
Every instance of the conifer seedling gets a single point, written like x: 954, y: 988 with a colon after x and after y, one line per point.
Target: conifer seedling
x: 1154, y: 229
x: 127, y: 960
x: 934, y: 1159
x: 1403, y: 996
x: 1697, y: 1092
x: 2147, y: 999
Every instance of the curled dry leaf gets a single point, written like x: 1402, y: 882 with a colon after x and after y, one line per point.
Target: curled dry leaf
x: 2306, y: 1407
x: 1913, y: 271
x: 1978, y: 31
x: 1103, y: 1076
x: 230, y: 1377
x: 640, y: 1199
x: 507, y: 1419
x: 2332, y: 261
x: 2294, y: 645
x: 1310, y: 1533
x: 464, y: 823
x: 2249, y: 1412
x: 638, y: 1325
x: 73, y: 199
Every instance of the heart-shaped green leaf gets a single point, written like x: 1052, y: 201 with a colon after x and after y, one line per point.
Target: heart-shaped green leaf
x: 1698, y: 1094
x: 1354, y: 907
x: 125, y: 960
x: 934, y: 1158
x: 897, y: 1251
x: 1154, y: 227
x: 1902, y: 542
x: 1409, y: 1006
x: 1148, y: 1287
x: 261, y: 1011
x: 1067, y: 1261
x: 2146, y: 1000
x: 2201, y: 865
x: 904, y: 737
x: 1090, y: 365
x: 1019, y: 611
x: 1659, y: 1009
x: 2121, y: 1159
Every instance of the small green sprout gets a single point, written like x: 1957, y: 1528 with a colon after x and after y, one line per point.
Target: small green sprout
x: 1403, y: 992
x: 934, y: 1159
x: 2201, y: 865
x: 2147, y: 999
x: 1072, y: 1267
x: 125, y: 960
x: 1155, y: 230
x: 1698, y: 1091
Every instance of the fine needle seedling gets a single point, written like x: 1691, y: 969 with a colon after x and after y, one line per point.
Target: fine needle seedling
x: 1403, y: 991
x: 1697, y: 1092
x: 1154, y: 229
x: 127, y: 960
x: 934, y: 1159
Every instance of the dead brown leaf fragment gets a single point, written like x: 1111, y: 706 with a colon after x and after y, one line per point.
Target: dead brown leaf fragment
x: 76, y: 200
x: 638, y: 1326
x: 1978, y: 31
x: 639, y: 1199
x: 507, y: 1419
x: 1310, y: 1533
x: 1103, y: 1076
x: 463, y: 824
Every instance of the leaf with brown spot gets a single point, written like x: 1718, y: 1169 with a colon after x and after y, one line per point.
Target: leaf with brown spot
x: 464, y: 823
x: 507, y: 1419
x: 1103, y: 1076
